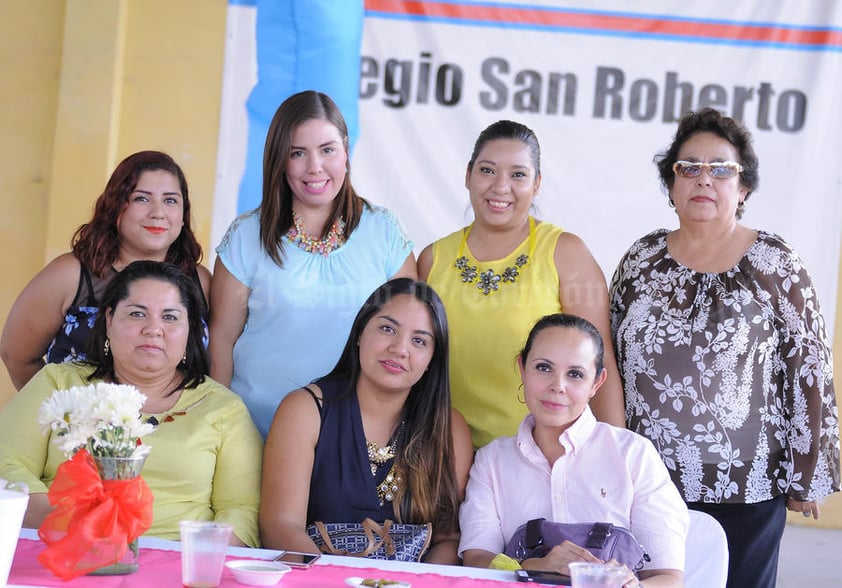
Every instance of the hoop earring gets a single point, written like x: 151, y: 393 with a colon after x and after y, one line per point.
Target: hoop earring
x: 106, y: 348
x: 521, y: 399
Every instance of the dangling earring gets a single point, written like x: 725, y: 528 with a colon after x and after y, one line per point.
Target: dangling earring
x: 106, y: 348
x: 184, y: 359
x: 521, y: 399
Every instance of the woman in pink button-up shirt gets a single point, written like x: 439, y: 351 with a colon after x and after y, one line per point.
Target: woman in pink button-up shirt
x: 565, y: 466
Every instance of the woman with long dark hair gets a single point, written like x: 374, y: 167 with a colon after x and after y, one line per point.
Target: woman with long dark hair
x: 291, y: 274
x: 381, y: 415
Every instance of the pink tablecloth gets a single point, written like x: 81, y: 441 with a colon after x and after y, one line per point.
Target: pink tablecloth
x: 162, y: 569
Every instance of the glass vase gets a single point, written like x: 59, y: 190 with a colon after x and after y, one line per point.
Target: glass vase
x: 120, y: 468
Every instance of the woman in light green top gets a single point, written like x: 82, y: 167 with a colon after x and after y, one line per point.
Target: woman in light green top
x: 206, y: 453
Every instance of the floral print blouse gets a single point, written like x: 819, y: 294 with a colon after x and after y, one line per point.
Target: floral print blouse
x: 729, y: 374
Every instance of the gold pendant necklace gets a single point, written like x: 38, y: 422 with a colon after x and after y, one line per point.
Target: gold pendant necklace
x: 489, y: 281
x: 387, y: 489
x: 377, y: 456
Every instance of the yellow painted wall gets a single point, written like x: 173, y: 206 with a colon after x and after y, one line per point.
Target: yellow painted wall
x: 30, y: 54
x: 86, y: 83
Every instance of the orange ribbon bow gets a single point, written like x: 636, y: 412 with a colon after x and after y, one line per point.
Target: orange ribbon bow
x: 94, y: 520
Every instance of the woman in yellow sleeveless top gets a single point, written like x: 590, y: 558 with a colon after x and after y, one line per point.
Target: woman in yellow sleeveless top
x: 500, y: 274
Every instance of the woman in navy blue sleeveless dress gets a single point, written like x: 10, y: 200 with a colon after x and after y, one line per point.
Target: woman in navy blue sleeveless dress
x: 376, y: 438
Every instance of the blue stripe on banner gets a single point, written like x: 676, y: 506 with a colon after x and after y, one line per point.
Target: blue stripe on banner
x: 242, y: 2
x: 301, y: 45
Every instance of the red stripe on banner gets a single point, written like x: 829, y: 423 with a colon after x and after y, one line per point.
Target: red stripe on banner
x: 699, y: 29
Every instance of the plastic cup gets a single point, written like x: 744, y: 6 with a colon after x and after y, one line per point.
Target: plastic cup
x: 13, y: 502
x: 596, y: 575
x: 203, y: 547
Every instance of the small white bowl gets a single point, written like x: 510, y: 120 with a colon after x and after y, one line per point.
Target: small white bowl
x: 257, y: 572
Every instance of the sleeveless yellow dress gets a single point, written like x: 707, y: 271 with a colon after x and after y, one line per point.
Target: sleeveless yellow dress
x: 487, y: 330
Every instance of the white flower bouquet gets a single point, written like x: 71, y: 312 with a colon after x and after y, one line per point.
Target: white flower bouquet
x: 102, y: 417
x: 101, y: 504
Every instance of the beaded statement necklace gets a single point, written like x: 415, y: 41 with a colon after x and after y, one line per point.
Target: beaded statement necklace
x: 333, y: 240
x: 377, y: 456
x: 489, y: 281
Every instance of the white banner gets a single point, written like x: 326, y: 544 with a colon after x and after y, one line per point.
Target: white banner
x: 603, y: 90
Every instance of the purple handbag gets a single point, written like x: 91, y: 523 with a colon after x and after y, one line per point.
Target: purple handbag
x: 604, y: 540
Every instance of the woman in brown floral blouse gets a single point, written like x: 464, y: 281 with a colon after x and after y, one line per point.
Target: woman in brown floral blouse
x: 723, y: 353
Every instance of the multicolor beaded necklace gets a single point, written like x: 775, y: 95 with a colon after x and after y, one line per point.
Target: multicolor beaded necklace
x: 489, y: 281
x: 333, y: 240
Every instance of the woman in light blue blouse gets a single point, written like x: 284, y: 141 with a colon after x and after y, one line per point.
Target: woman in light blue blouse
x: 291, y: 274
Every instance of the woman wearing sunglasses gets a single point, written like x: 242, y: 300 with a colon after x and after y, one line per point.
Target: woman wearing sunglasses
x: 723, y: 351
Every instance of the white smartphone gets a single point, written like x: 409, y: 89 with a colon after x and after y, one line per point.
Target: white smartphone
x: 297, y: 559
